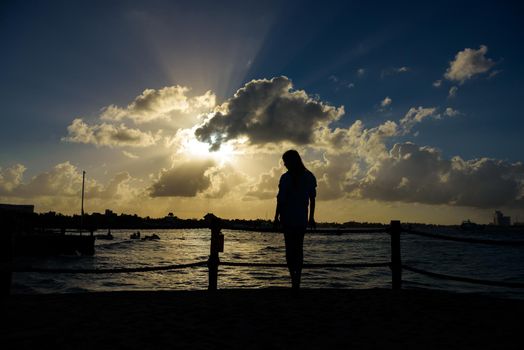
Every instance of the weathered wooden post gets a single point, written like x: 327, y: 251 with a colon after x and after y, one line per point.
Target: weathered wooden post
x: 9, y: 224
x: 6, y: 259
x: 82, y: 208
x: 216, y: 246
x: 396, y: 262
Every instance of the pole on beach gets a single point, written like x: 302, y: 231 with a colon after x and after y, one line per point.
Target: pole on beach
x: 396, y: 262
x: 216, y: 246
x: 82, y: 208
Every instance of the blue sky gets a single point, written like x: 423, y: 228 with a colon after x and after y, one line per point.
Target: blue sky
x: 70, y: 59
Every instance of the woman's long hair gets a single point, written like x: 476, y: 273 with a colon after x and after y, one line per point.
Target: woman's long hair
x: 294, y: 164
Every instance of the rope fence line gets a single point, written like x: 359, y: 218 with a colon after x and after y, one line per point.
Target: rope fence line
x: 306, y: 266
x: 107, y: 271
x: 217, y: 244
x: 274, y: 265
x: 29, y: 269
x: 464, y: 279
x: 316, y: 230
x: 465, y: 239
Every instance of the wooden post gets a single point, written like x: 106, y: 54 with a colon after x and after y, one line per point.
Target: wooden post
x: 82, y: 207
x: 396, y: 262
x: 214, y: 249
x: 6, y: 260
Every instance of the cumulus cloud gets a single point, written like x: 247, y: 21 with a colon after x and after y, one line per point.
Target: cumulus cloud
x: 386, y: 102
x: 183, y: 180
x: 346, y: 155
x: 114, y: 188
x: 167, y: 109
x: 200, y: 177
x: 224, y: 179
x: 171, y: 102
x: 354, y: 161
x: 267, y: 111
x: 266, y: 186
x: 367, y: 144
x: 11, y: 178
x: 405, y: 173
x: 335, y: 172
x: 468, y: 63
x: 420, y: 174
x: 340, y: 83
x: 357, y: 164
x: 408, y: 171
x: 450, y: 112
x: 108, y: 135
x: 63, y: 180
x: 394, y: 71
x: 452, y: 92
x: 129, y: 155
x: 417, y: 115
x: 59, y: 189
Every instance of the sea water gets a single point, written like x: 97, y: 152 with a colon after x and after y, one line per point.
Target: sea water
x: 480, y: 261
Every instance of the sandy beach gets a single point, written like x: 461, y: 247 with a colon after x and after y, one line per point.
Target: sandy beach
x: 262, y: 318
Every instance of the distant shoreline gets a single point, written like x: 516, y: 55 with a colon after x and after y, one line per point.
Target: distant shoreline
x: 109, y: 220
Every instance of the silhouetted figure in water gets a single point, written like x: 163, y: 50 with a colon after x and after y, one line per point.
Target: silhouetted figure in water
x: 296, y: 192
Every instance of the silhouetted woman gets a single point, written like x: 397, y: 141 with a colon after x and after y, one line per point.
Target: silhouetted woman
x: 296, y: 192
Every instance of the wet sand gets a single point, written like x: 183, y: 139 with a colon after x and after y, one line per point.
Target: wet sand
x: 263, y: 318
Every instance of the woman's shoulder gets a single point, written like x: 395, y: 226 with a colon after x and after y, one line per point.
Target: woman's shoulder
x: 310, y: 175
x: 285, y: 177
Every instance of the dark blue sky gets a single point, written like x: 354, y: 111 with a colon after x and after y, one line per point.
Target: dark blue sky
x: 61, y: 60
x: 447, y: 74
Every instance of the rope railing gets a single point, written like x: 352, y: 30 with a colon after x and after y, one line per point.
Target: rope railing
x: 515, y: 243
x: 29, y: 269
x: 465, y: 279
x: 217, y: 245
x: 306, y: 266
x: 108, y: 271
x: 466, y: 239
x: 335, y: 231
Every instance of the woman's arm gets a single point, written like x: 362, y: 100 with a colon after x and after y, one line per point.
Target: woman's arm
x: 278, y: 209
x: 277, y: 212
x: 312, y: 222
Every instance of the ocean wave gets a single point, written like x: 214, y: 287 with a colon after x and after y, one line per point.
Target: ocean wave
x: 468, y: 260
x: 271, y: 248
x: 114, y: 244
x: 76, y: 290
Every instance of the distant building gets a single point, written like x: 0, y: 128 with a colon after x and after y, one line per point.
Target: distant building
x: 500, y: 220
x: 18, y: 208
x: 17, y: 219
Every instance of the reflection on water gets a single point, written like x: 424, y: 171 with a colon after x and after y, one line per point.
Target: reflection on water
x: 185, y: 246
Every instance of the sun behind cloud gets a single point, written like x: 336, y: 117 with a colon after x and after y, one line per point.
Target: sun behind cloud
x: 194, y: 148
